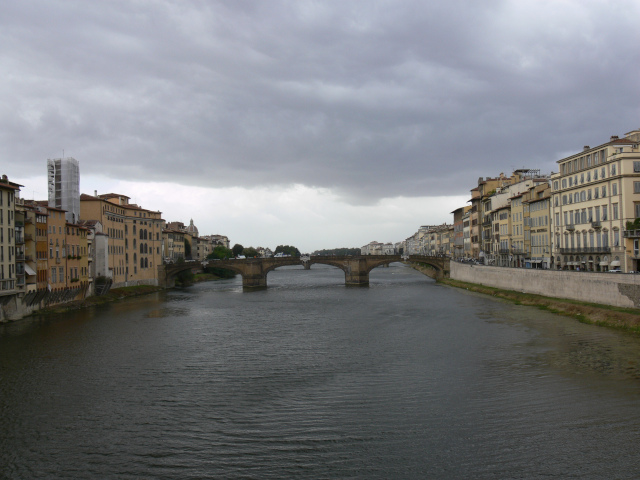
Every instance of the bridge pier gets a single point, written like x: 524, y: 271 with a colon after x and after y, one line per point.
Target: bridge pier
x: 254, y: 276
x: 356, y: 273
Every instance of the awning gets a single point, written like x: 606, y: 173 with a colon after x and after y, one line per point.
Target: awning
x: 606, y: 262
x: 615, y: 263
x: 29, y: 270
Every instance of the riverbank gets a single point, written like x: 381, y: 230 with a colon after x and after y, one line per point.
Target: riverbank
x: 627, y: 319
x: 116, y: 294
x: 113, y: 295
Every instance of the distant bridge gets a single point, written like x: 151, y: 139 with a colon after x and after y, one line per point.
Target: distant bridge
x: 356, y: 268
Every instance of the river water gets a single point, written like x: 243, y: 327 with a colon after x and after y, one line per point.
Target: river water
x: 310, y: 379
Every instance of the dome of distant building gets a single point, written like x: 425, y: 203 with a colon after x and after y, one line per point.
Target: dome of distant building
x: 192, y: 229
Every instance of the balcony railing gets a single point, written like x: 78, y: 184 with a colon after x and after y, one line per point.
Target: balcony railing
x: 576, y: 250
x: 596, y: 224
x: 28, y: 237
x: 570, y: 226
x: 19, y: 240
x: 632, y: 233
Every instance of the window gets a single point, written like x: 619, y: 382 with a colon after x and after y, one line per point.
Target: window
x: 595, y: 174
x: 571, y: 181
x: 613, y: 169
x: 604, y: 191
x: 636, y: 187
x: 604, y: 212
x: 615, y: 211
x: 614, y: 189
x: 636, y: 166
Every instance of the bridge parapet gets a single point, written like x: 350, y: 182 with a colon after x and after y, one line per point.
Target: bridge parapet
x: 356, y: 268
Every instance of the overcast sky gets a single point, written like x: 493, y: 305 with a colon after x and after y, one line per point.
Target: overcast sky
x: 314, y: 123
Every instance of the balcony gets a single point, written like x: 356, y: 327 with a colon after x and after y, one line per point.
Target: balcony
x: 20, y: 256
x: 28, y: 237
x: 571, y: 227
x: 632, y: 234
x: 596, y: 225
x: 579, y: 250
x: 504, y: 251
x: 19, y: 240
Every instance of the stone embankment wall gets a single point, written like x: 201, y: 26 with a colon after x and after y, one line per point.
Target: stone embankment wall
x: 617, y: 289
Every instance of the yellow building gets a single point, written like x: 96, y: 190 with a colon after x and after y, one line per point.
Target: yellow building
x: 134, y: 237
x: 538, y: 204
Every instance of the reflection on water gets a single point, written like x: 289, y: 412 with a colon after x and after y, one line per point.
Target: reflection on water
x: 310, y: 379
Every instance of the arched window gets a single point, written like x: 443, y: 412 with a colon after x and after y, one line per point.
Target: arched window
x: 146, y: 263
x: 141, y: 248
x: 141, y: 262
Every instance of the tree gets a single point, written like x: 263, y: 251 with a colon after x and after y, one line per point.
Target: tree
x: 187, y: 249
x: 288, y: 250
x: 237, y: 249
x: 250, y: 252
x: 221, y: 253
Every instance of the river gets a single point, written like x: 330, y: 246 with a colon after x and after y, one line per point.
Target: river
x: 310, y: 379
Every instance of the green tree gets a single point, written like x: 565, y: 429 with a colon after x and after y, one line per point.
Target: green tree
x: 237, y: 249
x: 250, y: 252
x: 220, y: 252
x: 187, y: 249
x: 288, y: 250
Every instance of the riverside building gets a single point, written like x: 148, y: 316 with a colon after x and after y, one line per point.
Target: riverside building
x: 595, y: 193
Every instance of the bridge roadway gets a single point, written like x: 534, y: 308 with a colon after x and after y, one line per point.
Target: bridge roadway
x: 356, y: 268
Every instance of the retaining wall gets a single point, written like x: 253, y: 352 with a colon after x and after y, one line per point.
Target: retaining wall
x: 617, y: 289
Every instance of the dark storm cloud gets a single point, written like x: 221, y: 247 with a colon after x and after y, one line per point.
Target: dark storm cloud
x: 372, y: 99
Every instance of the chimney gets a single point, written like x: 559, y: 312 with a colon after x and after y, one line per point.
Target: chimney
x: 613, y: 137
x: 585, y: 148
x: 95, y: 193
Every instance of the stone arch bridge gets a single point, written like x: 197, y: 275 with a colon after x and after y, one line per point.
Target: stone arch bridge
x: 356, y: 268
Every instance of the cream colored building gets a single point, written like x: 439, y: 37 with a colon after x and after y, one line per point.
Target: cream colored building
x: 8, y: 193
x: 595, y: 193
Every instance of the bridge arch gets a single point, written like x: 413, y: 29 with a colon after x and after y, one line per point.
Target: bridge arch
x: 356, y: 268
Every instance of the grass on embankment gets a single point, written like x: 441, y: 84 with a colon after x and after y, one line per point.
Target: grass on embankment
x: 627, y: 319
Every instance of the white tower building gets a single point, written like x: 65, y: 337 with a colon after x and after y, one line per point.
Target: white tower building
x: 63, y: 177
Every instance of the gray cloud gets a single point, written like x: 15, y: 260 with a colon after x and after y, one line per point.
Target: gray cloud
x: 371, y: 99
